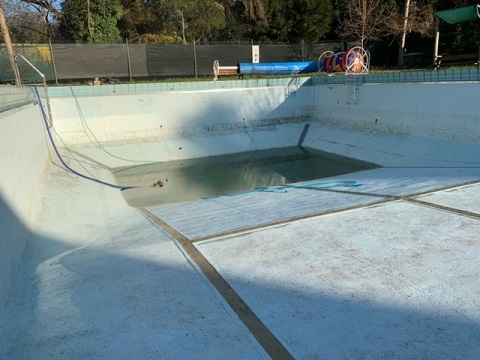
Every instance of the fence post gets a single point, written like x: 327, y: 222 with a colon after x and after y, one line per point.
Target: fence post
x: 303, y: 50
x: 194, y: 59
x: 129, y: 66
x: 53, y: 61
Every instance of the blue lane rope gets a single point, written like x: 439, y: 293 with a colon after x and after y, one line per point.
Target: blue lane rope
x: 47, y: 127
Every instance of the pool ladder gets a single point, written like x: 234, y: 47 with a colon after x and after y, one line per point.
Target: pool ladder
x: 352, y: 89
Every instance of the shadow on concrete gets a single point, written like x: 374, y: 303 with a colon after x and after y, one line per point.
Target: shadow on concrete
x: 13, y: 241
x: 139, y: 298
x: 319, y: 326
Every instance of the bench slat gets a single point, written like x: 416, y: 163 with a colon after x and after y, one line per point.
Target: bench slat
x: 457, y: 59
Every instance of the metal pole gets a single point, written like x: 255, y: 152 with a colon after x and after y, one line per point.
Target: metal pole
x: 303, y: 50
x: 45, y: 88
x: 53, y: 61
x: 128, y: 61
x: 437, y: 39
x: 195, y: 58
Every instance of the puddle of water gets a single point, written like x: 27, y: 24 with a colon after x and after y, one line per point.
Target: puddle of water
x: 194, y: 179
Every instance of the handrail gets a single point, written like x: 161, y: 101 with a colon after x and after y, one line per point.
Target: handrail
x: 47, y: 98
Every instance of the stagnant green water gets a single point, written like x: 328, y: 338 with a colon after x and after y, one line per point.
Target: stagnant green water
x: 208, y: 177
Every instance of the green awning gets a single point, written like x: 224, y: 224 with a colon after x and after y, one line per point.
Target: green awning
x: 463, y: 14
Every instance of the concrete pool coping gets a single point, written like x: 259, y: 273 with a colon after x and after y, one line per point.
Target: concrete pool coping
x: 387, y: 269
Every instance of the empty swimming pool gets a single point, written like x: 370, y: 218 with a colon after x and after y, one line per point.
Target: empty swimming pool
x: 317, y: 271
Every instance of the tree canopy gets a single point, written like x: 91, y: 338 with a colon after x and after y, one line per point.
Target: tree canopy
x: 92, y: 21
x: 207, y: 21
x: 299, y: 20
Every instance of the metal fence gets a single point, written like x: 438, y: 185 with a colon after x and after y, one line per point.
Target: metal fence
x: 63, y: 62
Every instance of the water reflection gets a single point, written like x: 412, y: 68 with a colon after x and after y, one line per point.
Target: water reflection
x: 193, y: 179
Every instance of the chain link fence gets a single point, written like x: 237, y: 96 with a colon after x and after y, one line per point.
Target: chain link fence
x: 74, y: 62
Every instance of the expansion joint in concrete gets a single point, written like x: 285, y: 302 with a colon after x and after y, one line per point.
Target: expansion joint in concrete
x: 413, y: 198
x: 258, y: 329
x: 443, y: 208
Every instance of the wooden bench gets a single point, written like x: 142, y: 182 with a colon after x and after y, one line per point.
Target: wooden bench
x: 223, y: 70
x: 462, y: 59
x: 227, y: 70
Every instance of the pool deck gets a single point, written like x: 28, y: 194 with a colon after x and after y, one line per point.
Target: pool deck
x: 379, y: 264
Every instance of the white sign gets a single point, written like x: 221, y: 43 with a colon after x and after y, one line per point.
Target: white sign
x: 255, y: 54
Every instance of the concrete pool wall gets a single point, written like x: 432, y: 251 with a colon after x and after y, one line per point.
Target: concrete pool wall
x: 261, y: 116
x: 182, y: 124
x: 23, y: 172
x: 448, y: 110
x: 391, y: 124
x: 398, y: 124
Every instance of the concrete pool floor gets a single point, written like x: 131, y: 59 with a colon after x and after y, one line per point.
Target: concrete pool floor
x: 384, y: 270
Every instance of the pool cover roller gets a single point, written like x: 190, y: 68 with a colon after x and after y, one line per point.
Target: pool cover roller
x: 354, y: 61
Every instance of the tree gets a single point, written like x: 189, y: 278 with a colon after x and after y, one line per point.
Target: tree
x: 135, y: 19
x: 244, y: 19
x: 254, y: 10
x: 414, y: 17
x: 25, y: 25
x: 365, y: 20
x: 94, y: 21
x: 299, y: 20
x: 197, y: 19
x: 50, y: 13
x: 451, y: 4
x: 142, y: 19
x: 236, y: 26
x: 8, y: 44
x: 311, y: 20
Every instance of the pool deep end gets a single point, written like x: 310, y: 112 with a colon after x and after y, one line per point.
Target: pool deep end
x: 420, y: 124
x: 230, y: 175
